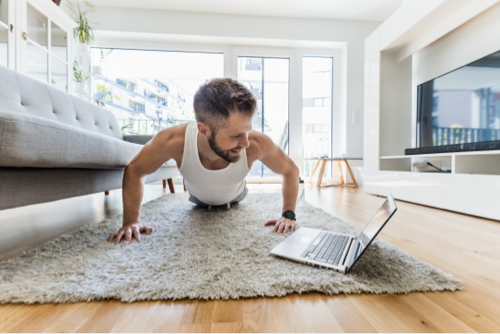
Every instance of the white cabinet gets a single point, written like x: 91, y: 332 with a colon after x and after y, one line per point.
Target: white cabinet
x: 7, y: 37
x: 36, y: 40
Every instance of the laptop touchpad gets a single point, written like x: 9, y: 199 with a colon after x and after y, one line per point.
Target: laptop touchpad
x: 298, y: 239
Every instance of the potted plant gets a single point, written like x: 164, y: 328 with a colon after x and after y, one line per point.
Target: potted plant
x: 103, y: 95
x: 84, y: 32
x: 79, y: 77
x: 97, y: 69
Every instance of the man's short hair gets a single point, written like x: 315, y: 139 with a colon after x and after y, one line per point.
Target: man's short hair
x: 217, y: 98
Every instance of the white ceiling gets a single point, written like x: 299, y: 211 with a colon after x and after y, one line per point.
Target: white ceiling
x: 365, y: 10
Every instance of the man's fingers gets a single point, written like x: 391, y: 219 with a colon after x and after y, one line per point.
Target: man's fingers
x: 119, y: 237
x: 282, y: 227
x: 111, y: 236
x: 293, y: 228
x: 287, y: 228
x: 128, y: 235
x: 144, y: 228
x: 137, y: 234
x: 269, y: 222
x: 129, y: 232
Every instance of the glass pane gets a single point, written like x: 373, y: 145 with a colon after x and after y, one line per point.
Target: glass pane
x: 59, y: 75
x: 317, y: 114
x: 251, y: 74
x: 4, y: 11
x: 150, y: 90
x: 276, y: 72
x: 3, y: 46
x: 37, y: 63
x: 59, y: 41
x: 37, y: 26
x: 268, y: 79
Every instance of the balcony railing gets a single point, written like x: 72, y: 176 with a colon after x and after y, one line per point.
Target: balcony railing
x: 450, y: 136
x: 146, y: 127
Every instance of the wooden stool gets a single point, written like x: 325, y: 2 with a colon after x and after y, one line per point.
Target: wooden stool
x: 339, y: 167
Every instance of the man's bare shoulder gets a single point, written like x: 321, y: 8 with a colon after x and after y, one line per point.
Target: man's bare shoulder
x: 173, y: 137
x: 259, y: 143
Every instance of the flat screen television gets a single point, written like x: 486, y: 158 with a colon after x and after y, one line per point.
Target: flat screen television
x: 462, y: 106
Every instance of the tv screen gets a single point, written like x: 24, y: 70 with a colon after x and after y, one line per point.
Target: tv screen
x: 462, y: 106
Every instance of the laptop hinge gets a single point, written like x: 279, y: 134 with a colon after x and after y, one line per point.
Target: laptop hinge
x: 353, y: 245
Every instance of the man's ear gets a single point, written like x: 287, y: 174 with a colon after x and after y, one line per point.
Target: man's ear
x: 204, y: 130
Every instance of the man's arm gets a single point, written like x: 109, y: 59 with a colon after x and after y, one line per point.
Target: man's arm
x: 276, y: 160
x: 153, y: 155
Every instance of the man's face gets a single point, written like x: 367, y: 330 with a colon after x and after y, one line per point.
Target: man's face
x: 230, y: 140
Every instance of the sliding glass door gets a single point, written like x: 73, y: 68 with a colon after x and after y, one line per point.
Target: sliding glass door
x: 269, y: 80
x: 317, y: 113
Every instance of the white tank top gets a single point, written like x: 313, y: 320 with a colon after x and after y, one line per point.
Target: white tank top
x: 212, y: 187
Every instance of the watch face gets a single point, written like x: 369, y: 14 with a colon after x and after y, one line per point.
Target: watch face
x: 289, y: 215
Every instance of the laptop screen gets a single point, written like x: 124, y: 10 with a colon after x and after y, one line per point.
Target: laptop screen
x: 371, y: 230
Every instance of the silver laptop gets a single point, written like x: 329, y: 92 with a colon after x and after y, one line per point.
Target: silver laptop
x: 334, y: 250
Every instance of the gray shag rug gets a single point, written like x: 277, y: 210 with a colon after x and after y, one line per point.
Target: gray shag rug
x: 200, y: 254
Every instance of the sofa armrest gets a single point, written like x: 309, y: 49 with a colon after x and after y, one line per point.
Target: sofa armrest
x: 138, y: 139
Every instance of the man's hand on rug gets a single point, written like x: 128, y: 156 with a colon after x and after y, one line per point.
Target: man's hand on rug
x: 128, y: 231
x: 282, y: 225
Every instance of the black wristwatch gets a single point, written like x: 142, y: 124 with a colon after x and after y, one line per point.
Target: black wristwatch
x: 288, y: 214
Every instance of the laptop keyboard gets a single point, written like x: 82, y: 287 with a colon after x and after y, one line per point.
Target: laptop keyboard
x: 327, y: 248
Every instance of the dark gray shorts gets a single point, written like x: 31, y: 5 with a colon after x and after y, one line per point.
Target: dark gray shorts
x: 196, y: 201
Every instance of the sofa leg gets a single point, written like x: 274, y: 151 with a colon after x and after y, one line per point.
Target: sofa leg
x: 106, y: 193
x: 184, y: 184
x: 164, y: 183
x: 171, y: 186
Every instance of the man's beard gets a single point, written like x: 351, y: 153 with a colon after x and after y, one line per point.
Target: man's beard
x: 223, y: 154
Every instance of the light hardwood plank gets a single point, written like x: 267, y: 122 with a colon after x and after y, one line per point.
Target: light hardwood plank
x: 226, y: 327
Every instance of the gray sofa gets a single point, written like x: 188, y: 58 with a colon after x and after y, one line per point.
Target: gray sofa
x: 55, y: 146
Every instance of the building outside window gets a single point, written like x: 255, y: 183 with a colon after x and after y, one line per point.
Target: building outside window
x: 148, y: 91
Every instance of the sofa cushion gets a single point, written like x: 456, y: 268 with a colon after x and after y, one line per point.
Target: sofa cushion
x: 32, y: 141
x: 27, y: 96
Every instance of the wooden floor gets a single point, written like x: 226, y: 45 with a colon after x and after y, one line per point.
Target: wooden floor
x: 465, y: 246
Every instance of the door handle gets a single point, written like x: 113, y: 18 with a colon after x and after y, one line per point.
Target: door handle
x: 25, y: 36
x: 11, y: 28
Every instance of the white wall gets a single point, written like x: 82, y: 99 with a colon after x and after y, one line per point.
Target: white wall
x: 352, y: 33
x: 395, y: 104
x: 471, y: 41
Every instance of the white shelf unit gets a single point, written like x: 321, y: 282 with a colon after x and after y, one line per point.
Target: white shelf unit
x: 37, y: 41
x: 475, y: 162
